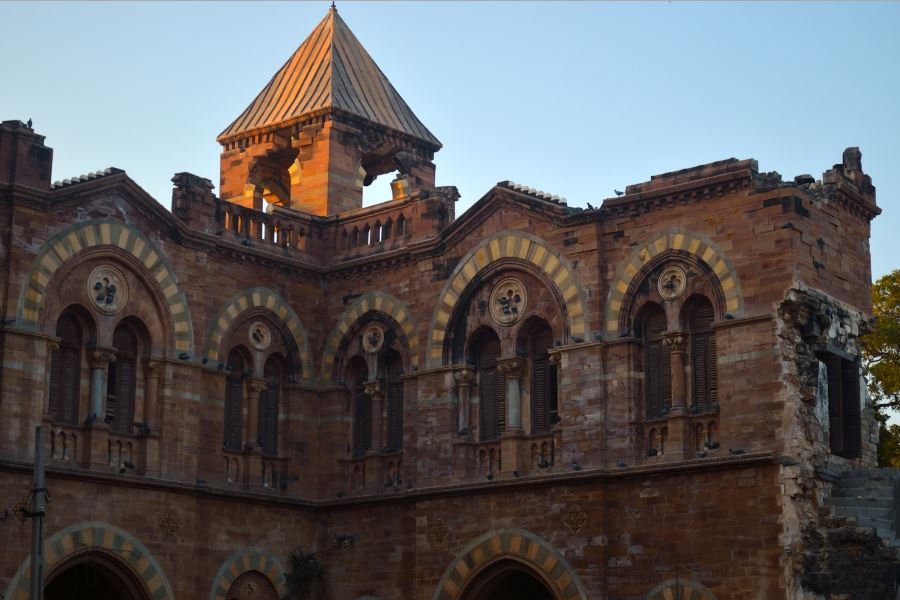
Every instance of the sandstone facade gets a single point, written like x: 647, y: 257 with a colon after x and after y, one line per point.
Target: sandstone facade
x: 649, y: 399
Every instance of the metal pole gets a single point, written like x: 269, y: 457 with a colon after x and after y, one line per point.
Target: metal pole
x: 37, y: 518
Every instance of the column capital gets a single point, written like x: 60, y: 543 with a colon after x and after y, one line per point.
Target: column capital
x: 255, y: 387
x: 511, y: 367
x: 153, y: 367
x: 375, y: 389
x: 675, y: 340
x: 100, y: 356
x: 52, y: 345
x: 464, y: 375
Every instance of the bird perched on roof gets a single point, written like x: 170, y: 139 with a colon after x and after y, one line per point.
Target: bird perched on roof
x: 28, y: 124
x: 618, y: 193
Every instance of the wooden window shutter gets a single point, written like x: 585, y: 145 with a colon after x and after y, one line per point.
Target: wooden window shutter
x: 489, y: 400
x: 362, y: 419
x: 657, y: 366
x: 234, y: 399
x: 703, y: 357
x: 65, y: 372
x: 123, y: 410
x: 501, y: 402
x: 70, y: 374
x: 395, y: 415
x: 268, y: 424
x: 540, y: 409
x: 55, y: 401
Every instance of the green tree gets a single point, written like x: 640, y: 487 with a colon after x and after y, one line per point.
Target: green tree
x: 881, y: 359
x: 881, y: 345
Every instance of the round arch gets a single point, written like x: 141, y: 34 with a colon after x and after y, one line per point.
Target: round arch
x: 106, y: 539
x: 246, y: 560
x: 680, y: 589
x: 109, y: 233
x: 516, y: 545
x: 371, y: 301
x: 516, y: 245
x: 680, y: 241
x: 105, y: 570
x: 258, y: 297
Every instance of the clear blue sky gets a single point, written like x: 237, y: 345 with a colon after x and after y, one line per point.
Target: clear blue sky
x: 577, y: 99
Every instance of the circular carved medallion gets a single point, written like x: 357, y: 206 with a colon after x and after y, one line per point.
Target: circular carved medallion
x: 508, y: 301
x: 672, y: 283
x: 107, y: 289
x: 260, y: 336
x: 373, y: 338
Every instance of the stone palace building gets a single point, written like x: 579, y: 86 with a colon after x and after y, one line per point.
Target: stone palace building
x: 658, y: 398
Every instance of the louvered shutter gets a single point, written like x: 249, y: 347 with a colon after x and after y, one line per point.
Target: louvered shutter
x: 55, y: 400
x: 703, y: 357
x: 395, y: 415
x: 234, y: 397
x: 501, y: 402
x: 70, y: 373
x: 362, y: 421
x: 112, y: 389
x: 539, y: 395
x: 124, y: 406
x: 489, y: 403
x: 268, y: 424
x: 657, y: 366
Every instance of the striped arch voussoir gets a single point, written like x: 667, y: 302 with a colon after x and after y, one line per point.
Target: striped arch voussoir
x: 258, y: 298
x: 381, y: 302
x: 677, y: 240
x: 91, y: 234
x: 248, y: 559
x: 85, y: 537
x: 508, y: 245
x: 516, y: 544
x: 680, y: 589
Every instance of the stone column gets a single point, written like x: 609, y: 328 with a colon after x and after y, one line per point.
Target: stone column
x: 375, y: 390
x: 676, y: 342
x: 255, y: 387
x: 464, y: 378
x: 678, y: 444
x: 512, y: 368
x: 99, y: 359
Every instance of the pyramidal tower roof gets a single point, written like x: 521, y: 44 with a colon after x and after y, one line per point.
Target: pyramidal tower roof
x: 330, y: 70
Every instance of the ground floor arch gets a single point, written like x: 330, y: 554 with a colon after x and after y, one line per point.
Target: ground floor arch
x: 91, y: 575
x: 507, y: 579
x: 512, y: 559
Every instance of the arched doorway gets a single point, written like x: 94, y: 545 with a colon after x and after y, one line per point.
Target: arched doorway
x: 93, y: 575
x: 252, y: 585
x: 508, y: 580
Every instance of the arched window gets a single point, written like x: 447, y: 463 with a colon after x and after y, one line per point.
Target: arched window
x: 234, y: 399
x: 121, y: 380
x: 65, y: 371
x: 394, y: 369
x: 268, y: 406
x: 657, y: 364
x: 357, y: 373
x: 543, y: 380
x: 703, y: 355
x: 492, y: 385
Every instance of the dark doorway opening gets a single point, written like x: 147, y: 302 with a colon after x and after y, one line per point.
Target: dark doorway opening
x: 90, y: 577
x: 508, y: 580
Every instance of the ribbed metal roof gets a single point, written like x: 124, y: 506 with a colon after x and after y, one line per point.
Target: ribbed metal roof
x: 330, y: 69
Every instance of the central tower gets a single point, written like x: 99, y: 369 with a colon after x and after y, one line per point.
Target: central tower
x: 328, y: 123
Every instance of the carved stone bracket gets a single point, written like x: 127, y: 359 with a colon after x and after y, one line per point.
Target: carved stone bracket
x: 464, y: 376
